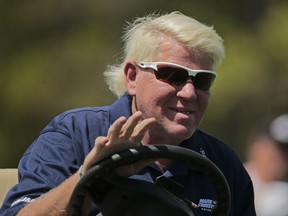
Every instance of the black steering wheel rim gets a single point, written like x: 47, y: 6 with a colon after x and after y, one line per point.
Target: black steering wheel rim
x: 104, y: 169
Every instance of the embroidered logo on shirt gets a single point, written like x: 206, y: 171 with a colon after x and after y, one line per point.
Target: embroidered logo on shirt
x: 23, y: 199
x: 202, y: 152
x: 207, y: 204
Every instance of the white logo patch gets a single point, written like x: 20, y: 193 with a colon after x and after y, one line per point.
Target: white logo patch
x: 207, y: 204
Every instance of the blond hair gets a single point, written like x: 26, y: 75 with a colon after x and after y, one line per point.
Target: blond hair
x: 142, y: 39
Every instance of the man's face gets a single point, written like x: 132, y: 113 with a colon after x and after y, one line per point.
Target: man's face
x: 177, y: 109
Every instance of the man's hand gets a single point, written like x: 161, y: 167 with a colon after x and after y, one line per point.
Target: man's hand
x: 123, y: 134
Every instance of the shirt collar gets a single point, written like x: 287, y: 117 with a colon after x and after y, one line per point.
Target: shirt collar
x: 121, y: 107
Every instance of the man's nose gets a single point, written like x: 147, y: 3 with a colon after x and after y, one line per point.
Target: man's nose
x: 187, y: 91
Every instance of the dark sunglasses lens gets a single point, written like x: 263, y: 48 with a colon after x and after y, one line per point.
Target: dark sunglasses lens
x: 171, y: 75
x: 203, y: 81
x: 178, y: 76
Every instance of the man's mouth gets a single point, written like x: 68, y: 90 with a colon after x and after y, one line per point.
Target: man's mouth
x: 186, y: 112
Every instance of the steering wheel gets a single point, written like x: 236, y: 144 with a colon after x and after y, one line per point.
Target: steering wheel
x: 115, y: 195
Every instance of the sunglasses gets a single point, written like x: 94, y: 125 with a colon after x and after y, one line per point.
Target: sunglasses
x: 177, y: 75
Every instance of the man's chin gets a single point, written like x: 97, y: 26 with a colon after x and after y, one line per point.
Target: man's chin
x: 182, y: 132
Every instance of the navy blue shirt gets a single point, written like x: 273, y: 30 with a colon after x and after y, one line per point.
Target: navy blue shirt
x: 62, y: 146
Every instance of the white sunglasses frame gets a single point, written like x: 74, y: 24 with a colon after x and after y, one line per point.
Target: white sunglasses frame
x: 154, y: 66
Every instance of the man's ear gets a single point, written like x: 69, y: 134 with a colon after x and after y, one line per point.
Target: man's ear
x: 130, y: 77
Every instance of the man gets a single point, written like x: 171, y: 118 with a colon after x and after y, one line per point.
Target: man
x: 164, y: 82
x: 267, y: 164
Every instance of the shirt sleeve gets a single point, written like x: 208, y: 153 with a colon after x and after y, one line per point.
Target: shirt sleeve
x: 58, y: 153
x: 46, y: 163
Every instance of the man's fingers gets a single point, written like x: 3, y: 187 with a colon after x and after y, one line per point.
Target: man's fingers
x: 130, y: 124
x: 123, y: 133
x: 122, y: 128
x: 115, y: 128
x: 140, y: 129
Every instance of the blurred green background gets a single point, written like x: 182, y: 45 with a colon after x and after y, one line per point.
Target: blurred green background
x: 53, y: 54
